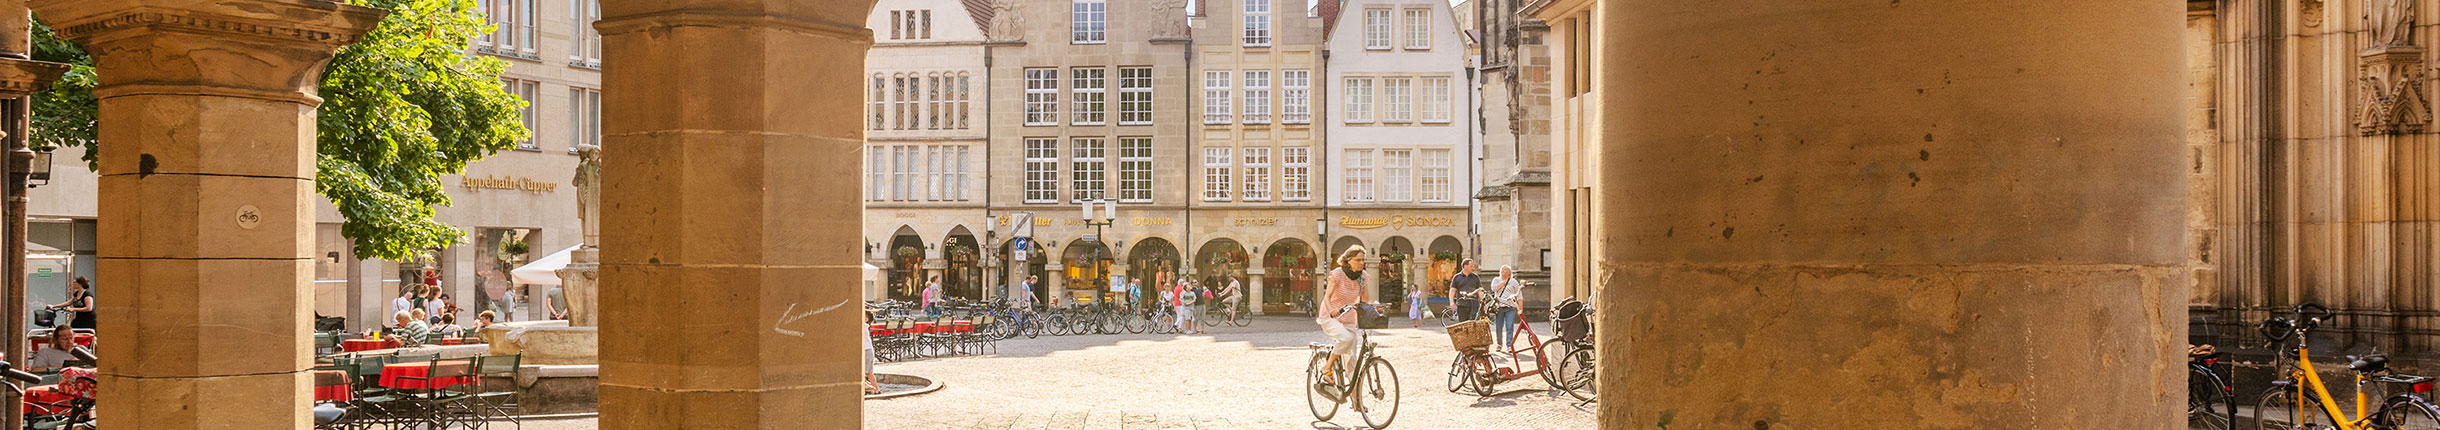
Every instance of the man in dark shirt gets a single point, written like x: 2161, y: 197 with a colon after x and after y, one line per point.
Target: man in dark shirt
x: 1466, y: 292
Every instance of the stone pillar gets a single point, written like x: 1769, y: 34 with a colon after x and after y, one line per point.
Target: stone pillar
x: 1253, y: 295
x: 1908, y: 214
x: 207, y: 201
x: 730, y: 275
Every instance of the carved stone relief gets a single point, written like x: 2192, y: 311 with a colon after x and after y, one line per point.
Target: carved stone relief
x: 1172, y: 19
x: 1007, y: 23
x: 2389, y: 93
x: 2309, y: 11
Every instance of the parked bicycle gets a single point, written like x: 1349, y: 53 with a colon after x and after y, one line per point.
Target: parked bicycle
x: 1475, y: 367
x: 2210, y: 402
x: 2300, y: 401
x: 1573, y: 372
x: 1372, y: 389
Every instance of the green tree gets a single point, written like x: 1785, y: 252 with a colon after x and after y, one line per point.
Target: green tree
x: 402, y: 106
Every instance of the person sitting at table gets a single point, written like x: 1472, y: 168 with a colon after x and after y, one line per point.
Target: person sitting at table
x: 411, y: 329
x: 54, y: 354
x: 448, y: 327
x: 485, y: 320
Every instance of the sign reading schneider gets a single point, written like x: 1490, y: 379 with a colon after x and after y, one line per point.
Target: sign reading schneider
x: 1395, y: 222
x: 515, y: 183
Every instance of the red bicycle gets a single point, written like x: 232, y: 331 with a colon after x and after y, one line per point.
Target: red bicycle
x: 1475, y: 370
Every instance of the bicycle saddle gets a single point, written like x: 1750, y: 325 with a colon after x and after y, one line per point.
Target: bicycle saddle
x: 2369, y: 363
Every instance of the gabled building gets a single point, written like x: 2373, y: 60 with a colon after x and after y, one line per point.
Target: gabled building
x: 1514, y: 201
x: 926, y: 154
x: 1399, y: 140
x: 1091, y: 104
x: 1258, y: 185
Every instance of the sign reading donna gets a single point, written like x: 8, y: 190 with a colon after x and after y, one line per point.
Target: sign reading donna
x: 1396, y: 222
x: 507, y: 183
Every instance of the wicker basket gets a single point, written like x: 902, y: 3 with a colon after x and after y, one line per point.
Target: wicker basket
x: 1475, y: 334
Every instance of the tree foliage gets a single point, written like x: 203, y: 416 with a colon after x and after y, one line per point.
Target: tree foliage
x: 402, y: 106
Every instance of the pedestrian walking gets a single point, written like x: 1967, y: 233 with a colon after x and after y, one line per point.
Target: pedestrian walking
x: 79, y: 304
x: 1466, y: 291
x: 1187, y: 299
x: 1506, y: 293
x: 1414, y: 307
x: 931, y: 297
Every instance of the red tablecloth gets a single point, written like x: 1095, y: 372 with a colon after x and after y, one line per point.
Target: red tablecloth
x: 353, y: 345
x: 332, y: 386
x: 36, y: 397
x: 457, y: 341
x: 391, y: 376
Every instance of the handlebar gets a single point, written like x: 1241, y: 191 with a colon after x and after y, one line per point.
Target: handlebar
x: 2303, y: 317
x: 11, y: 372
x: 2316, y: 308
x: 82, y: 353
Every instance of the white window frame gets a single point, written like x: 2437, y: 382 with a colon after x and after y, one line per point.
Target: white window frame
x: 1135, y: 170
x: 878, y: 107
x: 1041, y: 96
x: 1296, y: 96
x: 1295, y: 173
x: 1257, y: 97
x: 1257, y: 174
x: 584, y: 117
x: 1216, y: 175
x: 587, y: 50
x: 1376, y: 29
x: 1218, y: 91
x: 1435, y: 99
x: 1359, y: 184
x: 1359, y: 106
x: 1397, y: 175
x: 958, y: 180
x: 1417, y: 23
x: 1041, y: 170
x: 876, y: 173
x: 902, y: 165
x: 1257, y: 23
x: 1398, y: 99
x: 1134, y: 95
x: 1089, y: 22
x: 1092, y: 95
x: 527, y: 91
x: 1089, y: 168
x: 927, y: 182
x: 965, y: 101
x: 933, y: 100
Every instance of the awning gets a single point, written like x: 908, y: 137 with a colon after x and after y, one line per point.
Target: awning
x: 543, y: 271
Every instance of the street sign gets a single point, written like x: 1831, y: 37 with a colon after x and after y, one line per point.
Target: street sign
x: 1021, y: 224
x: 1091, y: 238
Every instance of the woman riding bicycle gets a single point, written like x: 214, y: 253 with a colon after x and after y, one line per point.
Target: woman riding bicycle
x: 1346, y: 288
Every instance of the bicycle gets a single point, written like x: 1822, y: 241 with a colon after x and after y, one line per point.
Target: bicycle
x: 2301, y: 402
x: 1574, y: 373
x: 1227, y: 314
x: 1375, y: 382
x: 1473, y: 367
x: 2205, y: 389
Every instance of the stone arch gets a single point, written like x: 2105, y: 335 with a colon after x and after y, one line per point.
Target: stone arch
x: 1013, y: 272
x: 1288, y: 275
x: 1441, y: 262
x: 906, y: 254
x: 1219, y: 259
x: 1396, y: 263
x: 1086, y: 266
x: 962, y: 277
x: 1150, y: 258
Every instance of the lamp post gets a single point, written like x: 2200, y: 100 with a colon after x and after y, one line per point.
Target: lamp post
x: 1109, y: 215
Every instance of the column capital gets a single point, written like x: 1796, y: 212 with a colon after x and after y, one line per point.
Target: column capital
x: 188, y: 46
x: 20, y: 77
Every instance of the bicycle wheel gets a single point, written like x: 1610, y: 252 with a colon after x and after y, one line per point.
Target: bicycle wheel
x: 1485, y: 381
x: 2279, y: 410
x: 1549, y: 353
x: 1133, y: 322
x: 2207, y: 400
x: 1058, y: 324
x: 1242, y: 317
x: 1379, y: 393
x: 2410, y: 414
x: 1460, y: 374
x: 1323, y: 406
x: 1576, y: 374
x: 1033, y: 326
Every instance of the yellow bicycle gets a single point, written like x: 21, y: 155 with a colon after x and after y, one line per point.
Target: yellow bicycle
x: 2299, y: 401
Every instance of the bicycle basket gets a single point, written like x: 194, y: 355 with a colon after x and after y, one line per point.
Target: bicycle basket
x: 1369, y: 317
x: 1574, y: 323
x: 1472, y: 334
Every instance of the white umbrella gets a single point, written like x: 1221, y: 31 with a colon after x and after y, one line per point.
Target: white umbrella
x: 543, y: 271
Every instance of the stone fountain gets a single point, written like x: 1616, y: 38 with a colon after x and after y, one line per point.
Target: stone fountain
x: 559, y: 371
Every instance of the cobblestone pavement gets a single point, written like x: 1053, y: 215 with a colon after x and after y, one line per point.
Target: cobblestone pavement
x: 1232, y: 378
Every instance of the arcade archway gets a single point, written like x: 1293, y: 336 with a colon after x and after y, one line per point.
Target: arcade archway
x: 1218, y: 260
x: 963, y: 276
x: 1020, y: 258
x: 906, y: 265
x: 1087, y: 270
x: 1396, y: 258
x: 1149, y: 259
x: 1287, y: 276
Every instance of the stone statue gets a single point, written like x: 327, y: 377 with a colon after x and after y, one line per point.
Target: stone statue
x: 588, y: 184
x: 1006, y: 21
x: 1171, y: 19
x: 2392, y: 22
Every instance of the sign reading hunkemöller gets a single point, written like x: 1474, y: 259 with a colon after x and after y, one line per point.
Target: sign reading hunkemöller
x: 507, y: 183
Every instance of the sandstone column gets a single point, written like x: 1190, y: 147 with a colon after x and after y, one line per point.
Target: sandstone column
x: 1892, y: 214
x: 730, y: 262
x: 207, y: 111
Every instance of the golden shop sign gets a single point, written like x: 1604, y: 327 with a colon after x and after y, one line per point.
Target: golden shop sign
x: 1395, y: 222
x: 507, y: 183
